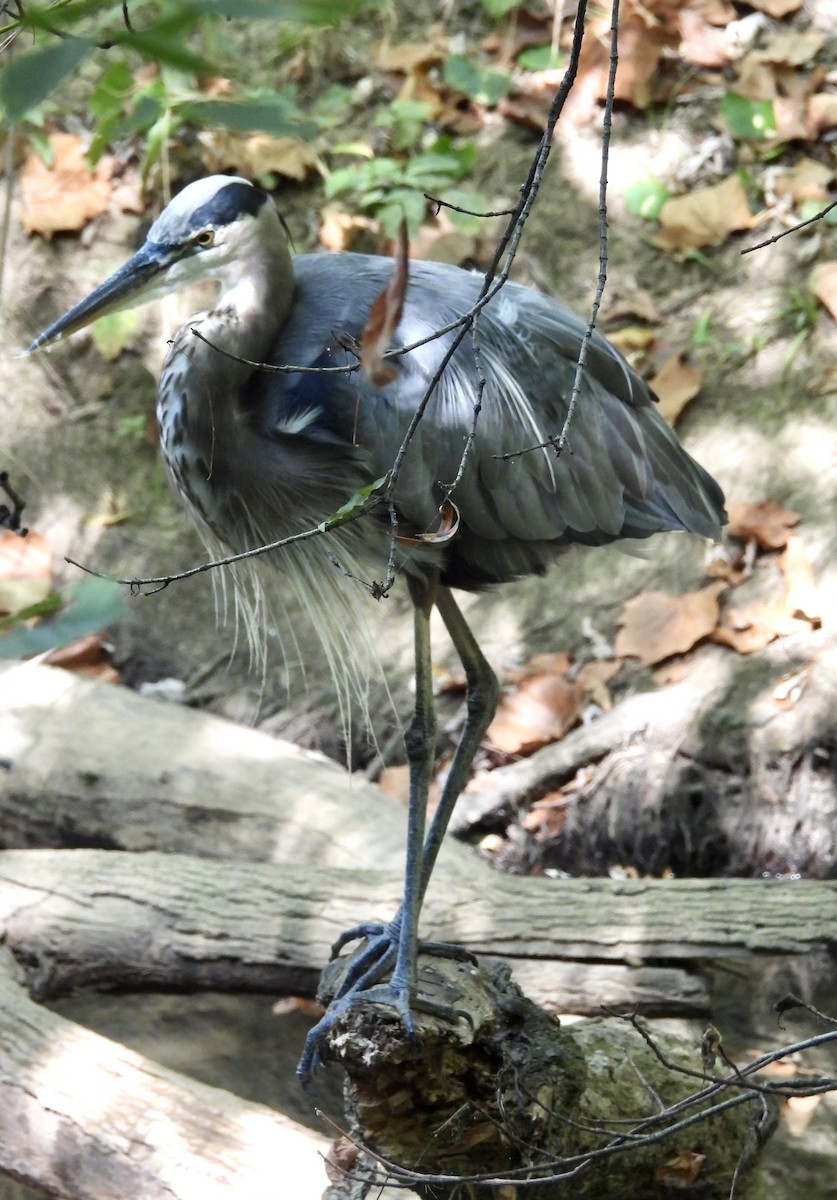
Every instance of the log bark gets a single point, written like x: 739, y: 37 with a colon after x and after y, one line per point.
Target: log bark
x: 87, y: 764
x: 85, y: 1118
x: 88, y: 918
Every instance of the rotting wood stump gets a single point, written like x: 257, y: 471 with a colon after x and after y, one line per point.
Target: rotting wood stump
x: 504, y: 1096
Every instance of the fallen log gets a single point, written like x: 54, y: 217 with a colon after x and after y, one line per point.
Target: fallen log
x: 94, y: 919
x: 82, y: 1118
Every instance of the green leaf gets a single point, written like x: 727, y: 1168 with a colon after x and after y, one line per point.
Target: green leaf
x: 402, y: 205
x: 751, y: 119
x: 111, y: 92
x: 702, y: 334
x: 539, y: 58
x: 646, y: 198
x: 90, y: 606
x: 156, y: 138
x: 499, y: 8
x: 363, y: 499
x: 480, y: 84
x: 464, y: 198
x: 27, y: 80
x: 164, y: 43
x: 428, y: 167
x: 279, y: 117
x: 112, y: 332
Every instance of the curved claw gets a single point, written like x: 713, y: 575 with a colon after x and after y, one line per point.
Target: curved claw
x: 370, y: 929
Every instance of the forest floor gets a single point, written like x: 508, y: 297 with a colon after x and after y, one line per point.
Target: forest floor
x: 73, y: 435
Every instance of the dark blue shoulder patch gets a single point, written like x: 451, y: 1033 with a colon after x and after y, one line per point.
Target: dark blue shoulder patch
x: 229, y: 203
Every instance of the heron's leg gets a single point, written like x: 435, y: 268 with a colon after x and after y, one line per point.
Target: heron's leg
x: 397, y: 942
x: 420, y: 744
x: 482, y: 695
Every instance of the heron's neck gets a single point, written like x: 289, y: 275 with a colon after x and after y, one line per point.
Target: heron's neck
x: 252, y: 306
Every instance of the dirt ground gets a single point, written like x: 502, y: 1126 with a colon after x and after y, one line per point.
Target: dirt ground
x: 756, y: 425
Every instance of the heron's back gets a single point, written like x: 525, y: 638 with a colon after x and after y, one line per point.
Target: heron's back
x: 624, y: 474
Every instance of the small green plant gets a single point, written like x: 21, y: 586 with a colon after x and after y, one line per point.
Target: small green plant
x: 477, y: 83
x: 802, y: 309
x: 801, y: 312
x: 394, y: 190
x: 63, y: 38
x: 646, y: 198
x: 405, y: 121
x: 751, y: 120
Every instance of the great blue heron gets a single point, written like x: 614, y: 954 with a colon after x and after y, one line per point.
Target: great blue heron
x: 258, y: 456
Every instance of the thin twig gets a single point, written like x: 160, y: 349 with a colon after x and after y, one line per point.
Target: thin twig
x: 793, y: 229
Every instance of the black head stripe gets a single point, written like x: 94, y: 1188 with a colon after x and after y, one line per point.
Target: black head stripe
x: 228, y: 203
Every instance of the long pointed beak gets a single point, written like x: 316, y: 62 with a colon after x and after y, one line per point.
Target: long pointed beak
x: 127, y: 287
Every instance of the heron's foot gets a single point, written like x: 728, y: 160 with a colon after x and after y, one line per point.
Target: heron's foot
x: 374, y: 930
x: 363, y: 982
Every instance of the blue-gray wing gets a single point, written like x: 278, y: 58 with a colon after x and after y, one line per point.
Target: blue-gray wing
x: 624, y: 473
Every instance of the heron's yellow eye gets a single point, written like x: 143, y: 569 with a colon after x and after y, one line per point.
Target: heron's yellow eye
x: 205, y: 238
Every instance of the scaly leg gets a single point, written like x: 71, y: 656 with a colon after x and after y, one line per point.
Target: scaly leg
x: 397, y: 942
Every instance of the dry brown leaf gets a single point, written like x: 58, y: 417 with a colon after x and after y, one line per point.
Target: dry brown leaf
x: 127, y: 193
x: 637, y: 303
x: 798, y: 1111
x: 405, y: 57
x: 746, y: 634
x: 594, y: 678
x: 776, y: 8
x: 395, y: 783
x: 539, y: 710
x: 793, y: 47
x: 286, y: 1006
x: 340, y: 1162
x: 448, y: 528
x: 25, y: 570
x: 702, y: 43
x: 822, y: 112
x: 757, y: 79
x: 640, y: 51
x: 676, y: 383
x: 681, y: 1170
x: 547, y: 816
x: 754, y: 626
x: 64, y: 197
x: 766, y: 523
x: 554, y: 662
x: 705, y: 217
x: 824, y: 283
x: 807, y: 180
x: 801, y: 597
x: 718, y: 12
x: 788, y: 690
x: 384, y: 316
x: 89, y: 656
x: 632, y: 340
x: 655, y: 626
x: 258, y: 154
x: 792, y: 123
x: 343, y: 231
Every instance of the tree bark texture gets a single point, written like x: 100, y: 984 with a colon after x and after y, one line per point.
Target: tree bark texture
x: 92, y: 918
x: 85, y: 1118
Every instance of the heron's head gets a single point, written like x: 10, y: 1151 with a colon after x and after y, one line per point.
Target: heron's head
x: 213, y: 229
